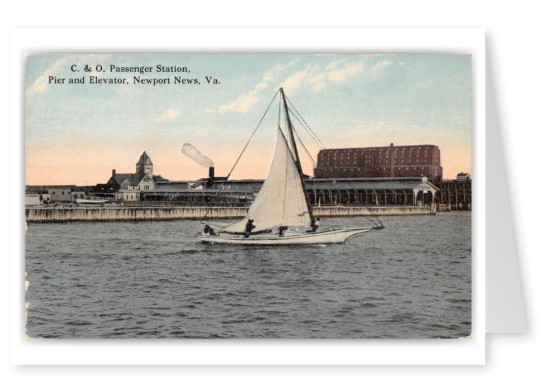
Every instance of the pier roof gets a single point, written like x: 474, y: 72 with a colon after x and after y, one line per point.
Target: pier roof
x: 365, y: 185
x: 343, y: 185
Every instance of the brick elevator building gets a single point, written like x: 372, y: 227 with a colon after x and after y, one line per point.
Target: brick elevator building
x: 380, y: 162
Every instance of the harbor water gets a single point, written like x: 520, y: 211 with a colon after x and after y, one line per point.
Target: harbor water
x: 153, y: 280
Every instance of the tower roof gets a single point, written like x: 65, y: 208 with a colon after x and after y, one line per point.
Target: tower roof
x: 144, y: 159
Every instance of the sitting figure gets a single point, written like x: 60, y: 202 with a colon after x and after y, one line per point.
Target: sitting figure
x: 208, y: 230
x: 249, y: 227
x: 282, y: 230
x: 315, y: 225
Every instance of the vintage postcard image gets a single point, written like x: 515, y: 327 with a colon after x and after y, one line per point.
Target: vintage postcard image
x: 248, y: 196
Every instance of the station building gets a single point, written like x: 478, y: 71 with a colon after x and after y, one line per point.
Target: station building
x: 129, y: 186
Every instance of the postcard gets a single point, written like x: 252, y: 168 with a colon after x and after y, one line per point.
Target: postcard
x: 248, y: 196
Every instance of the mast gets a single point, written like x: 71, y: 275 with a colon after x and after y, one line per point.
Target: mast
x: 294, y: 152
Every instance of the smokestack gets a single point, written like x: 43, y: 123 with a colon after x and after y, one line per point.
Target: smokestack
x: 113, y: 173
x: 210, y: 181
x: 392, y: 160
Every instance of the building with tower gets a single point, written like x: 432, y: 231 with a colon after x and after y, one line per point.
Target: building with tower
x: 129, y: 186
x: 144, y: 165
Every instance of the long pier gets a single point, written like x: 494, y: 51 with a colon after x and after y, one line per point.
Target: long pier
x: 105, y: 214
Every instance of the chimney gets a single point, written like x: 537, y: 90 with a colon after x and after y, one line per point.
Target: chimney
x: 210, y: 181
x: 114, y: 172
x: 392, y: 160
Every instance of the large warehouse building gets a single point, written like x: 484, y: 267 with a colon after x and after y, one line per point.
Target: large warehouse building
x: 380, y: 162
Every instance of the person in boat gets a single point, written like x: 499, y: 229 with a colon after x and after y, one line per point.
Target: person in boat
x: 282, y: 230
x: 249, y: 227
x: 208, y: 230
x: 315, y: 225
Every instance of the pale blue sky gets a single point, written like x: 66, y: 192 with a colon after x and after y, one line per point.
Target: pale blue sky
x: 78, y: 133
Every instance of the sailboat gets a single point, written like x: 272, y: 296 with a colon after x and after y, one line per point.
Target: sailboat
x: 280, y: 213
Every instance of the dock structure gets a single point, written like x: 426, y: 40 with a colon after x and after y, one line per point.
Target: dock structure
x: 371, y: 191
x: 134, y: 214
x: 454, y: 195
x: 319, y: 192
x: 416, y: 191
x: 226, y: 199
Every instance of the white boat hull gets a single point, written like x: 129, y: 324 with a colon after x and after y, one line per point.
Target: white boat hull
x: 322, y: 237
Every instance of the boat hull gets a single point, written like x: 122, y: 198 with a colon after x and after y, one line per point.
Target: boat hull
x: 323, y: 237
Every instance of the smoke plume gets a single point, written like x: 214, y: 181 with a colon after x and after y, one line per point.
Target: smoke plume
x: 194, y: 154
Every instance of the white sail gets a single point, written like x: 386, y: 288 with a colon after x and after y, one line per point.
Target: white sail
x: 281, y: 200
